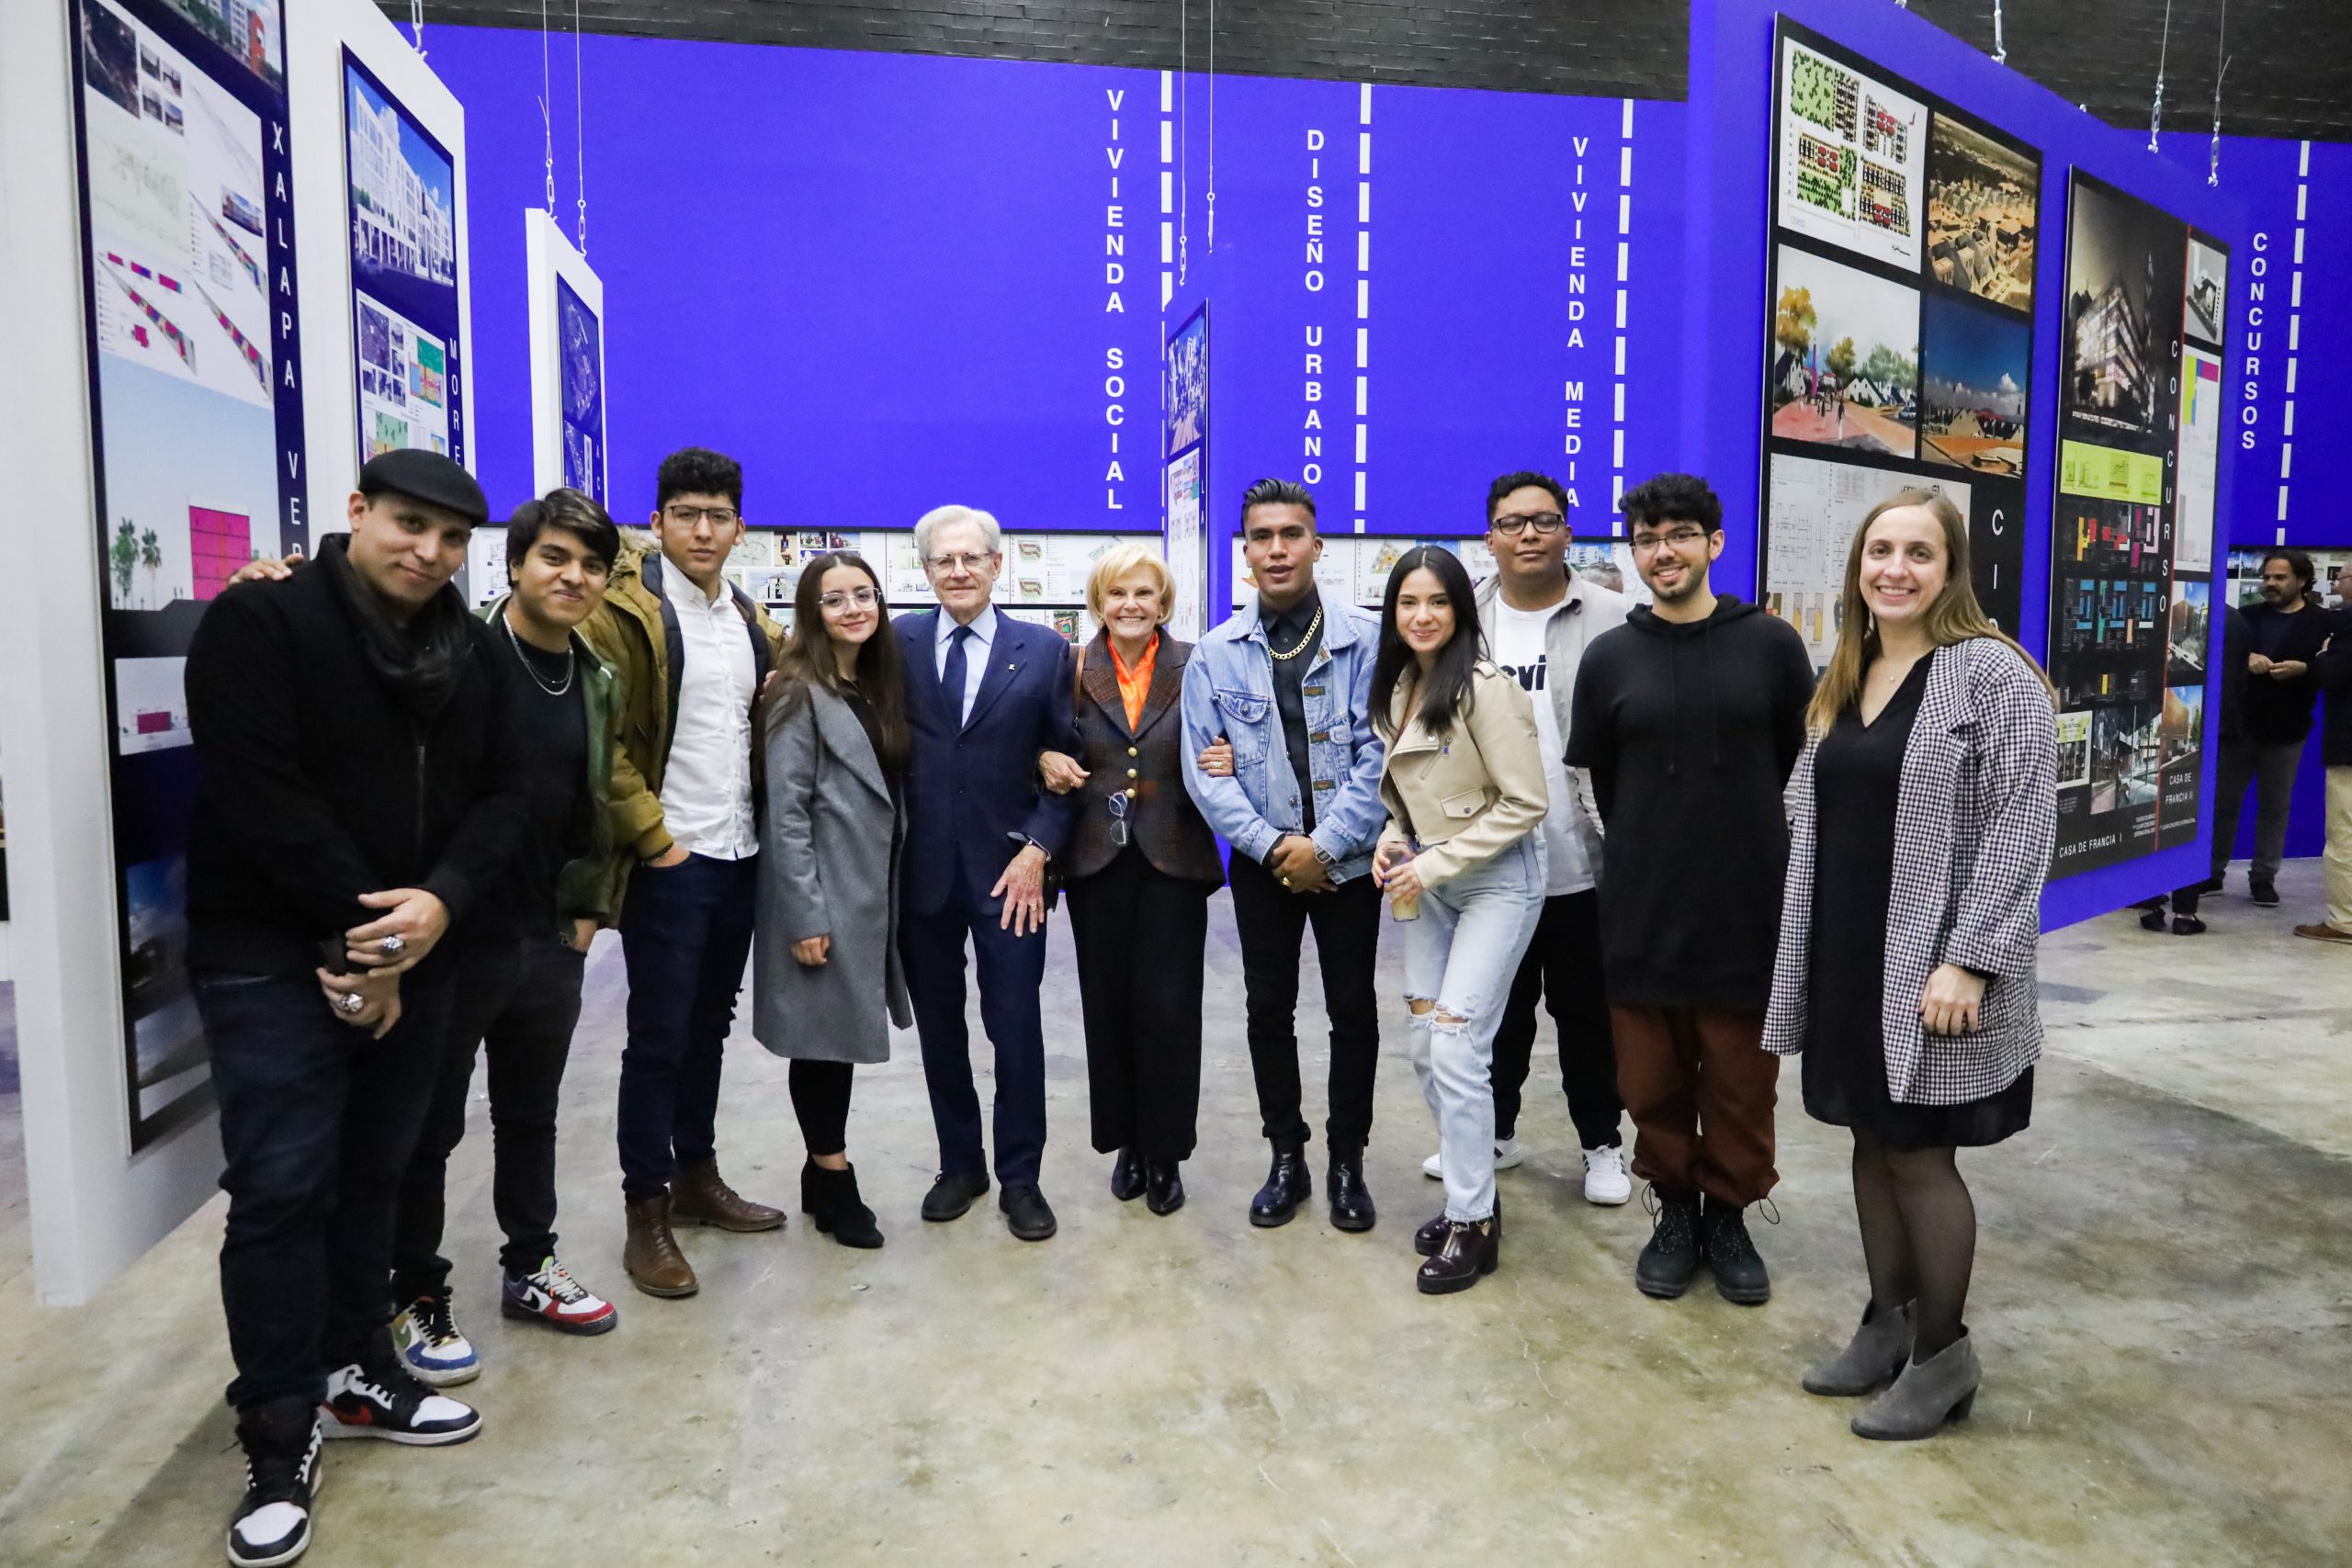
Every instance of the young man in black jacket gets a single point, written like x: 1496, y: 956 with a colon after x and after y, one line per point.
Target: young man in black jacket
x: 1689, y: 718
x: 354, y: 800
x: 525, y: 953
x: 2284, y: 634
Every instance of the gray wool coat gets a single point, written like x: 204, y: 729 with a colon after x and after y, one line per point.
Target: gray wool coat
x: 829, y: 866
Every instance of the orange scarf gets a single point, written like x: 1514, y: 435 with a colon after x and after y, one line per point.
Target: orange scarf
x: 1135, y: 685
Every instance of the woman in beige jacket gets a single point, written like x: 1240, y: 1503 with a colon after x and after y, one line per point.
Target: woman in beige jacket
x: 1462, y: 860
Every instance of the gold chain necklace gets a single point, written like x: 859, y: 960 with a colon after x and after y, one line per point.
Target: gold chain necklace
x: 1312, y: 627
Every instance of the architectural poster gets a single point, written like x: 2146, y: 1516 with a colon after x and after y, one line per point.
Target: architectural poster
x: 196, y: 430
x: 1898, y: 349
x: 404, y: 267
x: 2131, y: 535
x: 1186, y: 403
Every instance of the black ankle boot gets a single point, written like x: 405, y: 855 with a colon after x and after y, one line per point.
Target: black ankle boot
x: 1740, y: 1274
x: 1351, y: 1207
x: 1126, y: 1176
x: 1665, y: 1268
x: 831, y: 1199
x: 1163, y: 1186
x: 1287, y: 1186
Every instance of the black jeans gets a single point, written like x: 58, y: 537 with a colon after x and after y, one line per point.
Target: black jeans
x: 686, y: 937
x: 519, y: 999
x: 820, y: 1103
x: 1141, y: 936
x: 1563, y: 967
x: 317, y: 1124
x: 1272, y: 921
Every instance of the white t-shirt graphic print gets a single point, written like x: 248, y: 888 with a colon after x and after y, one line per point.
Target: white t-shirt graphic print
x: 1516, y: 639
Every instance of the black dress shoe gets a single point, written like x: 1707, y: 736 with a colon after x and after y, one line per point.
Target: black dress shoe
x: 2266, y: 895
x: 952, y: 1193
x: 1287, y: 1186
x: 1471, y: 1247
x: 1665, y: 1268
x: 1026, y: 1212
x: 1126, y: 1176
x: 1740, y: 1274
x: 1351, y: 1205
x: 1163, y: 1186
x: 1431, y: 1236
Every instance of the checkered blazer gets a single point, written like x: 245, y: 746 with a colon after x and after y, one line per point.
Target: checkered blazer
x: 1974, y: 820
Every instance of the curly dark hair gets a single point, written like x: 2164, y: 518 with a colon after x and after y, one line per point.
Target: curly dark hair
x: 1682, y: 498
x: 697, y: 470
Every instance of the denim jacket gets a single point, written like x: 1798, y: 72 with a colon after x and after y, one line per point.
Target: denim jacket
x: 1229, y: 691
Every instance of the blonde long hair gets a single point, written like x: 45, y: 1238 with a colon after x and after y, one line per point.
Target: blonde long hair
x: 1954, y: 617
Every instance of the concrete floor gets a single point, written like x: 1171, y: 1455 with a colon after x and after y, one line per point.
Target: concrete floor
x: 2165, y: 1284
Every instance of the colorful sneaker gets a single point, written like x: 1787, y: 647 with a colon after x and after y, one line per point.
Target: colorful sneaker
x: 550, y: 1295
x: 272, y: 1526
x: 430, y: 1346
x: 386, y: 1402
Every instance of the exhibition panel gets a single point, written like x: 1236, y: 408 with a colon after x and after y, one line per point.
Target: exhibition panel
x: 1184, y: 416
x: 1899, y: 351
x: 196, y: 430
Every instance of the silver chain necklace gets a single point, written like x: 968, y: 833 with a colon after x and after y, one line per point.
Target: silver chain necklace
x: 570, y: 661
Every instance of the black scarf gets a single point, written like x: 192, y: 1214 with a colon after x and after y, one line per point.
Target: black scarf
x: 420, y: 662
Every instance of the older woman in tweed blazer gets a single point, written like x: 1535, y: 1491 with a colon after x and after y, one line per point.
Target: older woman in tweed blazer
x: 1922, y: 814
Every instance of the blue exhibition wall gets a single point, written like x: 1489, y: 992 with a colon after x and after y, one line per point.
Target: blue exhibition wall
x: 1731, y: 103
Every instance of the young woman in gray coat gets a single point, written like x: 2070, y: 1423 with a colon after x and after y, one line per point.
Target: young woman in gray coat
x: 1923, y: 811
x: 826, y: 981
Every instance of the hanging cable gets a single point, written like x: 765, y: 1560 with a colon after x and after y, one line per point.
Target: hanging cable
x: 2000, y: 45
x: 1212, y: 190
x: 2156, y: 112
x: 1184, y: 135
x: 547, y: 123
x: 416, y: 26
x: 2220, y: 69
x: 579, y: 123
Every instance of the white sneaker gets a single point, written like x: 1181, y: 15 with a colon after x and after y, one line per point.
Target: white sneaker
x: 1605, y: 1179
x: 1509, y: 1153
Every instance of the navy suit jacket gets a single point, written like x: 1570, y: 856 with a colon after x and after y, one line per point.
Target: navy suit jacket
x: 973, y: 794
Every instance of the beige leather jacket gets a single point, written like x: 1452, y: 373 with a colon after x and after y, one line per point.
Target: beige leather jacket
x: 1469, y: 796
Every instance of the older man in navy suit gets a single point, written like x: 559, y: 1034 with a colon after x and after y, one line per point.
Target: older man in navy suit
x: 986, y: 694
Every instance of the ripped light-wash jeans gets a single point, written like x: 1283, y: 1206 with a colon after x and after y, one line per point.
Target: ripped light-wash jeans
x: 1461, y: 953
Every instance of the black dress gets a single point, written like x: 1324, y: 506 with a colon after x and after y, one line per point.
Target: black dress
x: 1857, y: 774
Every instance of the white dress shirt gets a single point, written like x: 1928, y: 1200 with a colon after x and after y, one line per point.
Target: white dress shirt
x: 707, y: 788
x: 977, y: 649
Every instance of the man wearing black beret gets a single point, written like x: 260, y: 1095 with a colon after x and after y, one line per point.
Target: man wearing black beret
x: 354, y: 800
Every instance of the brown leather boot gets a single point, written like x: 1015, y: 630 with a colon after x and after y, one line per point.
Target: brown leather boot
x: 701, y: 1197
x: 651, y: 1255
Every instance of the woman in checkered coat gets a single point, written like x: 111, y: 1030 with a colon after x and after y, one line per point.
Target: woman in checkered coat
x: 1922, y: 814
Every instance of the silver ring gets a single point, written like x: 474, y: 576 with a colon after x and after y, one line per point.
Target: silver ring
x: 351, y: 1001
x: 393, y: 946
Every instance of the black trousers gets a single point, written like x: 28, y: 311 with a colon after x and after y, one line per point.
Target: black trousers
x: 317, y: 1122
x: 820, y: 1103
x: 518, y: 1000
x: 1141, y: 936
x: 1272, y: 921
x: 1563, y: 967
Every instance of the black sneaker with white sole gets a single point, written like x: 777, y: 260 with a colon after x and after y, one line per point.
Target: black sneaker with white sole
x: 384, y: 1401
x: 272, y: 1524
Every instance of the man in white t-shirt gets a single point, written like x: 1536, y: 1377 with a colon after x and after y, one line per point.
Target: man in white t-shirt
x: 1539, y: 615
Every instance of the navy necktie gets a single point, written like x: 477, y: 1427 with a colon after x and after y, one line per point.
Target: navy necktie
x: 951, y: 679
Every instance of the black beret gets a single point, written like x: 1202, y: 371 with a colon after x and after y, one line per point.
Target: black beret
x: 427, y: 477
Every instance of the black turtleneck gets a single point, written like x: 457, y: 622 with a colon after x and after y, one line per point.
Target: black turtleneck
x: 1288, y: 629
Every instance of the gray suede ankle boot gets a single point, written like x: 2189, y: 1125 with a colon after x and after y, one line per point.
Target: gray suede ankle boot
x: 1930, y: 1392
x: 1877, y: 1352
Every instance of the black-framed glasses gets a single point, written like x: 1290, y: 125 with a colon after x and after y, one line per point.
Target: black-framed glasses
x: 1542, y: 521
x: 1118, y: 803
x: 1680, y: 539
x: 862, y: 598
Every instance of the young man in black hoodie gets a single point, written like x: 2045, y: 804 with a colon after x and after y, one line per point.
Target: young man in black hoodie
x: 1689, y: 718
x: 353, y: 799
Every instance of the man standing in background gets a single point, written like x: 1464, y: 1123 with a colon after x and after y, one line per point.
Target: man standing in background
x: 1539, y: 615
x: 2284, y: 634
x: 690, y: 650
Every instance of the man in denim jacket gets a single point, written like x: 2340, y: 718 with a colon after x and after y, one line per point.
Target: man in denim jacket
x: 1285, y: 686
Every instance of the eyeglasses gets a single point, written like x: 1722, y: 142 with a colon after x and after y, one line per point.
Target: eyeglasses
x: 1118, y: 818
x: 957, y: 563
x: 1680, y: 539
x: 1542, y: 521
x: 717, y: 516
x: 864, y: 598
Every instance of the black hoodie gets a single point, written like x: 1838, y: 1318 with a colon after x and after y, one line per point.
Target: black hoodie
x: 1689, y: 732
